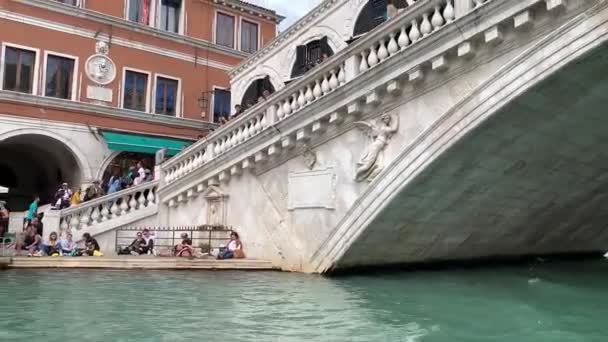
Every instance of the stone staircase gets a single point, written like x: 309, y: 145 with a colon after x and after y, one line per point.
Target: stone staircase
x: 106, y: 213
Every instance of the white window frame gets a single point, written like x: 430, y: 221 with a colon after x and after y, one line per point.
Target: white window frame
x: 241, y: 19
x: 74, y: 72
x: 123, y: 86
x: 178, y: 95
x: 35, y: 77
x: 211, y: 110
x: 155, y: 12
x: 235, y: 29
x: 127, y: 7
x: 79, y: 3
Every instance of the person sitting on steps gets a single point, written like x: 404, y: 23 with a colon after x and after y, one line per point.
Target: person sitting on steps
x: 184, y: 248
x: 234, y: 249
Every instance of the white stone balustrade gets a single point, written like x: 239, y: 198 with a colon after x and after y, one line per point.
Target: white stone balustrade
x: 424, y: 19
x: 109, y: 207
x: 421, y: 19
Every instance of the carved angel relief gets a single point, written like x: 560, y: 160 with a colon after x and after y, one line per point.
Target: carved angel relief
x: 379, y: 131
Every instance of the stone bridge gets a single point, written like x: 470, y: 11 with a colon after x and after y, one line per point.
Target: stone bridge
x: 454, y: 130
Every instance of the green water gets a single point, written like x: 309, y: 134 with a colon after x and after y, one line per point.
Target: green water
x: 565, y: 301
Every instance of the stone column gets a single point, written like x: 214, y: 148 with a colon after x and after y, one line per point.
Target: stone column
x: 462, y: 7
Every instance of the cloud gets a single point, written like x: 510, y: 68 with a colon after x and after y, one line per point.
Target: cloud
x: 292, y: 10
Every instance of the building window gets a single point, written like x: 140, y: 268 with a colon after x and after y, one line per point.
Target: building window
x: 59, y: 77
x: 135, y: 93
x: 224, y: 30
x: 68, y: 2
x: 139, y: 11
x: 169, y: 15
x: 221, y: 104
x: 19, y: 67
x: 166, y: 96
x: 249, y: 37
x: 310, y: 55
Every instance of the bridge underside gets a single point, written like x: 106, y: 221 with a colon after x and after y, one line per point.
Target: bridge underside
x: 533, y: 179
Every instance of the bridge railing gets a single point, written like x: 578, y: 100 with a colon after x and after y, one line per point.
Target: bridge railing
x: 418, y: 21
x: 109, y: 207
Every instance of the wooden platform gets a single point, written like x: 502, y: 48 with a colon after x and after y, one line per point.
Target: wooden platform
x: 137, y: 262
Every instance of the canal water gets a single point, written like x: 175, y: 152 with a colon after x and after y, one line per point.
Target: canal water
x: 551, y: 301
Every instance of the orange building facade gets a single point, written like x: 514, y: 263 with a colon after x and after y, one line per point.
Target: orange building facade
x: 154, y: 72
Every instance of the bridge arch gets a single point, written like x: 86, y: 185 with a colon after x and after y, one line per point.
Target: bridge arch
x: 565, y: 47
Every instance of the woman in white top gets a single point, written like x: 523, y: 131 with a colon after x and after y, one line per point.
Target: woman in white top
x: 141, y: 174
x: 234, y: 249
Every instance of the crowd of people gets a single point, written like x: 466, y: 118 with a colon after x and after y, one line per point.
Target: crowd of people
x: 135, y: 175
x: 33, y: 244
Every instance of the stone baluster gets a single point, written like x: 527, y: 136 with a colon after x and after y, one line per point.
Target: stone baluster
x: 301, y: 98
x: 309, y: 95
x: 382, y: 51
x: 124, y: 206
x: 403, y: 40
x: 258, y: 124
x: 363, y: 66
x: 393, y: 47
x: 264, y: 121
x: 151, y: 198
x: 448, y: 12
x: 280, y: 113
x: 105, y: 212
x: 287, y: 107
x: 325, y: 85
x: 425, y: 27
x: 372, y: 58
x: 342, y: 75
x: 333, y: 80
x: 85, y: 218
x: 317, y: 92
x: 414, y: 34
x: 437, y: 19
x: 114, y: 209
x: 95, y: 215
x: 141, y: 199
x: 294, y: 103
x: 132, y: 203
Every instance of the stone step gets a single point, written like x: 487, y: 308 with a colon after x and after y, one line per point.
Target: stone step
x: 139, y: 263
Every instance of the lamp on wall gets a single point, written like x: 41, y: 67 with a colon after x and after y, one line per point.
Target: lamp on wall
x: 203, y: 102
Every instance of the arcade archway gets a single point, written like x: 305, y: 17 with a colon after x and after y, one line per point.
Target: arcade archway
x: 33, y: 164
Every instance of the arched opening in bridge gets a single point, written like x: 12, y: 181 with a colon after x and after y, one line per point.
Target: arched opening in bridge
x: 310, y: 55
x: 256, y: 90
x: 33, y: 164
x: 374, y: 13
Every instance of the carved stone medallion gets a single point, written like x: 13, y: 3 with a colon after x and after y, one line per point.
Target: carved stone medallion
x: 99, y: 67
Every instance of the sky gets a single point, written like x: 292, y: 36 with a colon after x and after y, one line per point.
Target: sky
x: 292, y: 10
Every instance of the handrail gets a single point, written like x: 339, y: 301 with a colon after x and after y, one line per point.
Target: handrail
x: 107, y: 198
x: 410, y: 26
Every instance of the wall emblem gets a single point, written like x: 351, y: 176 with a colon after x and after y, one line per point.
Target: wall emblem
x: 99, y: 67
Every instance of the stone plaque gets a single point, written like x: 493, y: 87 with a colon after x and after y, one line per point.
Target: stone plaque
x: 312, y: 189
x: 99, y: 93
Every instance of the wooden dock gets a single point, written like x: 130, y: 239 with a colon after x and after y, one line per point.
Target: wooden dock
x: 136, y: 262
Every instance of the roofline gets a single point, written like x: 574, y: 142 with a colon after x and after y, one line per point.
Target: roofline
x: 271, y: 14
x: 323, y: 6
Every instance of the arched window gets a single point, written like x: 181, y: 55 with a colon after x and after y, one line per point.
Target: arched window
x: 375, y: 13
x: 255, y: 91
x: 309, y: 55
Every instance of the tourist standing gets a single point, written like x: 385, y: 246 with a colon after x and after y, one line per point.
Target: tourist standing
x: 32, y: 212
x: 141, y: 174
x: 76, y: 197
x: 114, y: 185
x: 4, y: 218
